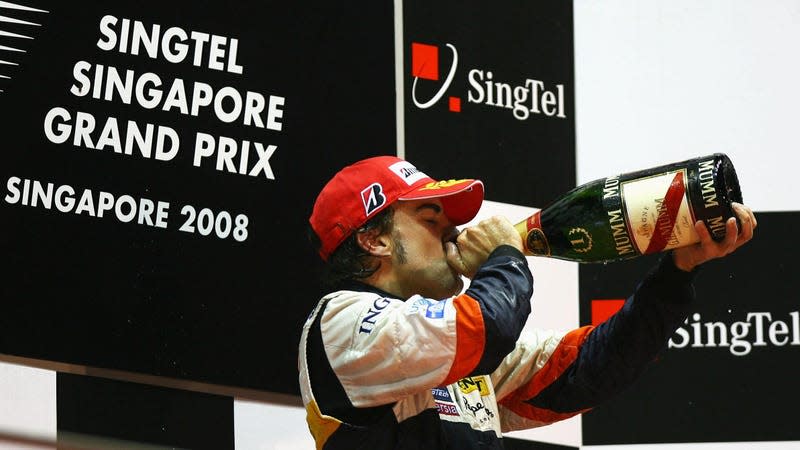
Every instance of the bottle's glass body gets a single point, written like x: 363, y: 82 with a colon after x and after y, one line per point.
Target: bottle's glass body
x: 637, y: 213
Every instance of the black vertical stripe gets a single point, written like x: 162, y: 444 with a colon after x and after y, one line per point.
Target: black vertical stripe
x: 328, y: 390
x: 520, y: 444
x: 140, y: 413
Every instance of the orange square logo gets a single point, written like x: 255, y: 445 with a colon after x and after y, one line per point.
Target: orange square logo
x: 455, y: 104
x: 603, y: 309
x: 425, y: 61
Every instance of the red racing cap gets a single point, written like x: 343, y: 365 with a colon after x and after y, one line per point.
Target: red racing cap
x: 359, y: 191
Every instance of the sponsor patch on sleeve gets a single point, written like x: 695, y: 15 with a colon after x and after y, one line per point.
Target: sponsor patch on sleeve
x: 432, y: 309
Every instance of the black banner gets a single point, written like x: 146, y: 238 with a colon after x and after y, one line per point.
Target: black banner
x: 730, y: 372
x: 489, y: 93
x: 161, y: 160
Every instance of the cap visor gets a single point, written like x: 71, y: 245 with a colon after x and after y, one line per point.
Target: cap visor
x: 461, y: 199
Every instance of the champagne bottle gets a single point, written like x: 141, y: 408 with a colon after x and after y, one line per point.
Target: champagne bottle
x: 637, y: 213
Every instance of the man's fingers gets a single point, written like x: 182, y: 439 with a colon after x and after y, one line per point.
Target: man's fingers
x: 702, y: 232
x: 748, y: 223
x: 744, y: 214
x: 731, y: 236
x: 746, y: 233
x: 735, y: 236
x: 712, y: 249
x: 451, y: 252
x: 454, y: 258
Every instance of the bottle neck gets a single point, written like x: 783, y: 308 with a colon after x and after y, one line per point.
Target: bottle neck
x: 524, y: 228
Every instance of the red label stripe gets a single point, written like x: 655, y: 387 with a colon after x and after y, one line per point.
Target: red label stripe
x: 534, y: 221
x: 667, y: 215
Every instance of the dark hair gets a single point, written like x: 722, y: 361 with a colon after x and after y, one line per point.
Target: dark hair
x: 349, y: 261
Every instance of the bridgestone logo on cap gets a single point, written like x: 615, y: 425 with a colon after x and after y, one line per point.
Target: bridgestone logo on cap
x: 373, y: 198
x: 407, y: 172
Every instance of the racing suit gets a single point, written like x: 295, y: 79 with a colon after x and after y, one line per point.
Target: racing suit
x: 378, y: 372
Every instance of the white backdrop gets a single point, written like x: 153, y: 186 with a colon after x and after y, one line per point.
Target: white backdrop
x: 663, y: 81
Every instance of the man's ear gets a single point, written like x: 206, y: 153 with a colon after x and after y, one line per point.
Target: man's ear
x: 374, y: 243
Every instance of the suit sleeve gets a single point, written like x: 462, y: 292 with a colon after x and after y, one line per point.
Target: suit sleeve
x: 383, y: 349
x: 553, y: 376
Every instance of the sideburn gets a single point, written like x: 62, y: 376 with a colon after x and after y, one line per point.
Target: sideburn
x: 399, y: 248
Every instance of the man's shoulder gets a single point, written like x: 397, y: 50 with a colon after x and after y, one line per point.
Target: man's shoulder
x: 347, y: 297
x: 349, y: 305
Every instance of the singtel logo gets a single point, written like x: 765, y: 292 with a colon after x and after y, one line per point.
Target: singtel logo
x: 525, y: 98
x: 759, y: 329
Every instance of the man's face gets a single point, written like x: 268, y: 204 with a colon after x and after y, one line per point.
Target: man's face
x: 418, y: 260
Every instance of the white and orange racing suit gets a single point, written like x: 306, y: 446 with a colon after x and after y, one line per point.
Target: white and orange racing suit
x: 380, y: 372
